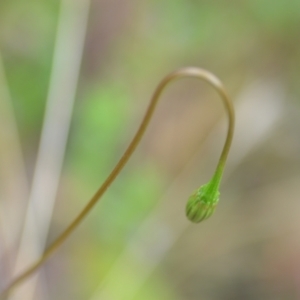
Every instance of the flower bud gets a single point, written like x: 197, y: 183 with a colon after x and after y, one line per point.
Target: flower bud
x: 201, y: 205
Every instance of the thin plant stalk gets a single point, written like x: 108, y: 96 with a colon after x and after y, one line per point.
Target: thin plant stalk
x: 185, y: 72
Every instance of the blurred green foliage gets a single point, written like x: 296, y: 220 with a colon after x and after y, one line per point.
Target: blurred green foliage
x: 130, y: 45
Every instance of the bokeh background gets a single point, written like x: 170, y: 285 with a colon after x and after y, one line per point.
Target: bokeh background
x: 75, y: 79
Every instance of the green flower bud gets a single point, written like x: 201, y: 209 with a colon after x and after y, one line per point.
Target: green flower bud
x: 201, y: 205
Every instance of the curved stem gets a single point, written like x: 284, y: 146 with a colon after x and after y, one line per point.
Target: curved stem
x: 185, y: 72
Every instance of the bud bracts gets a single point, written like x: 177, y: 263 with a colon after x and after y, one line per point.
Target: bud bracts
x: 201, y: 205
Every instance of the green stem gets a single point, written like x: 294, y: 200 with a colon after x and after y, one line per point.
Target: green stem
x: 185, y: 72
x: 217, y: 177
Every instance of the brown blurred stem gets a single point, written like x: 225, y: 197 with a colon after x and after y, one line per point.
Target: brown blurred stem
x: 185, y: 72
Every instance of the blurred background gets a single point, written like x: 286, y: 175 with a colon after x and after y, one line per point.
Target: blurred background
x: 75, y: 79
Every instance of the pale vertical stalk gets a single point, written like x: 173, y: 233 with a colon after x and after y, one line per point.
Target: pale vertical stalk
x: 64, y: 78
x: 258, y: 111
x: 13, y: 182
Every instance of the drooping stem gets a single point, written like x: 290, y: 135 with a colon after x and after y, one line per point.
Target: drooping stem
x: 185, y: 72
